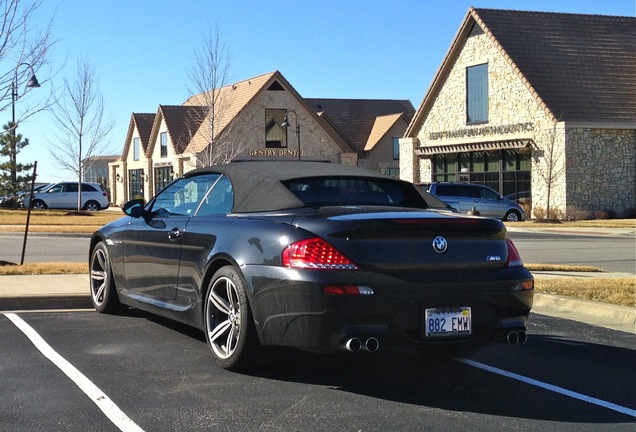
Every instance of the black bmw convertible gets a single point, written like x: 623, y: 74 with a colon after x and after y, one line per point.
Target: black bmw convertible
x: 312, y: 255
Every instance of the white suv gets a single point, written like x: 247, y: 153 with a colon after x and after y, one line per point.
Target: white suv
x: 64, y: 196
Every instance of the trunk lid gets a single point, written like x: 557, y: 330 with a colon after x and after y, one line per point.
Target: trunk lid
x: 410, y: 240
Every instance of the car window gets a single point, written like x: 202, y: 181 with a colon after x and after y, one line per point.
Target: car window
x: 88, y: 188
x: 183, y: 197
x: 219, y: 199
x: 470, y: 192
x: 489, y: 194
x: 55, y: 189
x: 448, y: 190
x: 70, y: 187
x: 329, y: 191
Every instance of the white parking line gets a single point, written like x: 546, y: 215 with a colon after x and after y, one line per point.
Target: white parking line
x: 103, y: 402
x: 553, y: 388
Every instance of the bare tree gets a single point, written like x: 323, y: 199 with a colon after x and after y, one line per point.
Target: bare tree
x: 209, y: 127
x: 23, y: 51
x: 550, y: 167
x: 83, y: 129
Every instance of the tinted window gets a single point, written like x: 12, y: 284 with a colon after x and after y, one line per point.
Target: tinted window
x: 470, y: 192
x: 489, y: 194
x: 182, y: 197
x: 219, y: 200
x: 70, y: 187
x: 88, y: 188
x: 326, y: 191
x: 448, y: 190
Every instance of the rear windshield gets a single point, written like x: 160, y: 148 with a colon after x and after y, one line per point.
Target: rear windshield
x: 337, y: 191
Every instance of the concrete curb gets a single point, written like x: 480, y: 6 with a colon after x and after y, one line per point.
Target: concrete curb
x: 615, y: 317
x: 55, y: 292
x: 35, y: 292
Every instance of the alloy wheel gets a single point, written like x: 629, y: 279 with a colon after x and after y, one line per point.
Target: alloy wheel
x: 223, y: 318
x: 99, y: 269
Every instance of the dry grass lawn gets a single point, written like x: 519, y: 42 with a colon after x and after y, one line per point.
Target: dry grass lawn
x: 619, y: 291
x: 55, y: 221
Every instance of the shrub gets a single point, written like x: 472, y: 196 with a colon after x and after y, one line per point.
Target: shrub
x: 605, y: 214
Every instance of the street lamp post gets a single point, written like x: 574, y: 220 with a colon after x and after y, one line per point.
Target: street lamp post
x: 286, y: 124
x: 33, y: 82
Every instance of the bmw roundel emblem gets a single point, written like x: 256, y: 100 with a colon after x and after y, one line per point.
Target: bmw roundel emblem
x: 440, y: 244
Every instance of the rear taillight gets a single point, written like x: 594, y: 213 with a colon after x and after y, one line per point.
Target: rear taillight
x: 315, y: 253
x: 514, y: 259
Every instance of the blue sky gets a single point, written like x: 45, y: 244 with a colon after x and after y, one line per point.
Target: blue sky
x: 142, y: 50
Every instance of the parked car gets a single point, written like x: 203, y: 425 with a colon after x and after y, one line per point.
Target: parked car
x: 64, y: 196
x: 470, y: 197
x: 312, y: 255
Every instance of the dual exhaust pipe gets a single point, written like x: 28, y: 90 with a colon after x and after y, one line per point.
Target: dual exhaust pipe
x: 371, y: 344
x: 355, y: 345
x: 517, y: 337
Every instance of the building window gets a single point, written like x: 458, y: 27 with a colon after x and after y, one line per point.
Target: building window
x: 163, y: 137
x: 163, y: 176
x: 275, y: 134
x: 477, y: 94
x: 136, y: 149
x: 396, y: 148
x: 135, y: 183
x: 506, y: 171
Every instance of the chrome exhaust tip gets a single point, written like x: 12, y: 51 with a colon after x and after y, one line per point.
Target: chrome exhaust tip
x: 512, y: 338
x: 372, y: 344
x: 353, y: 345
x: 522, y: 336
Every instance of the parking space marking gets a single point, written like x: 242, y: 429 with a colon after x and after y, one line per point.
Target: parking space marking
x: 99, y: 398
x: 550, y: 387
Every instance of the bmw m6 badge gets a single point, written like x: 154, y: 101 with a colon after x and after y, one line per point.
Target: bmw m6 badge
x: 440, y: 244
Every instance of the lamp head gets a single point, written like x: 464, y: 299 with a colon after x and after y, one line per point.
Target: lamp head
x: 33, y: 82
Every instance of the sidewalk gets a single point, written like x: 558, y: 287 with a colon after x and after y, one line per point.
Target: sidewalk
x: 40, y: 292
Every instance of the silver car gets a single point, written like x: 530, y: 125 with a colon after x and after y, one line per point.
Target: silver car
x: 469, y: 197
x: 64, y: 196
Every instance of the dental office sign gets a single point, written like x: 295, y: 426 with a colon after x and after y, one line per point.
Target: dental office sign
x: 482, y: 131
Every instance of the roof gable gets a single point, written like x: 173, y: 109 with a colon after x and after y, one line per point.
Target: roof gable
x: 143, y: 123
x: 582, y: 66
x: 229, y: 101
x: 381, y: 127
x: 354, y: 119
x: 579, y: 67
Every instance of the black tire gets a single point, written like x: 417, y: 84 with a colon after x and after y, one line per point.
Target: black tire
x: 38, y: 205
x: 92, y: 206
x: 512, y: 216
x: 229, y: 327
x: 103, y: 292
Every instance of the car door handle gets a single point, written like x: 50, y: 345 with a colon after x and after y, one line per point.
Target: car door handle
x: 174, y: 234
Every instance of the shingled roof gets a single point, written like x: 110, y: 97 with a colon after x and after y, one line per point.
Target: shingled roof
x: 354, y: 119
x: 182, y: 123
x: 580, y: 67
x: 143, y: 123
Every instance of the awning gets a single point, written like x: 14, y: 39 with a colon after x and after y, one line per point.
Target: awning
x: 475, y: 146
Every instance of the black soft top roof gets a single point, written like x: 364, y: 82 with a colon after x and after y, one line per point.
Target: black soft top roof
x: 257, y: 184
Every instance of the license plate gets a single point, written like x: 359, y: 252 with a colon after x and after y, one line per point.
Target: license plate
x: 444, y: 322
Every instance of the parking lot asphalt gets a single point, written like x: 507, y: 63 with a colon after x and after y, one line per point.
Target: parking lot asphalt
x: 64, y: 292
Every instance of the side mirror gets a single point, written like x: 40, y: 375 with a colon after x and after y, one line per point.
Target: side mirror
x: 134, y: 208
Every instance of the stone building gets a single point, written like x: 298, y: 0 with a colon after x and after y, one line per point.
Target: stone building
x: 539, y: 106
x: 248, y: 123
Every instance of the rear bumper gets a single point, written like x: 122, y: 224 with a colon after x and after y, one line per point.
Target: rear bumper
x: 290, y: 308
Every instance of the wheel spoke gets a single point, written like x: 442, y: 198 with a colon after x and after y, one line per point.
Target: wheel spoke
x: 220, y: 303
